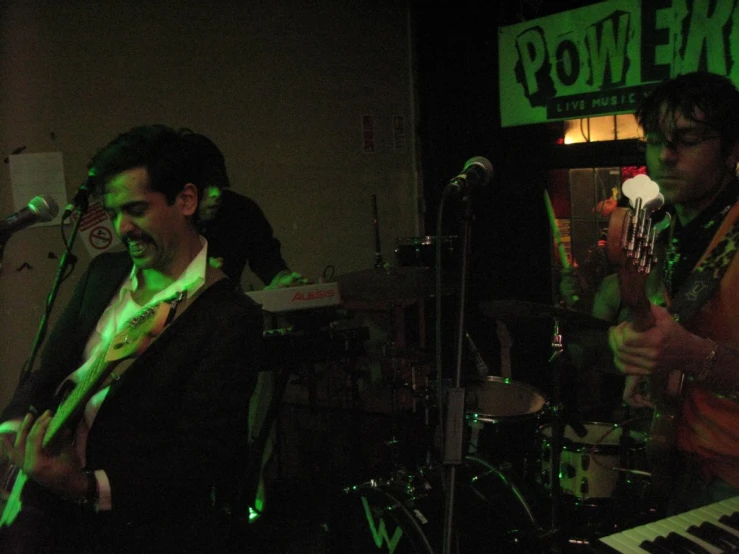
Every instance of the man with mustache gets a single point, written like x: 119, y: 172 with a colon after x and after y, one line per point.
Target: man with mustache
x: 691, y: 137
x: 158, y: 443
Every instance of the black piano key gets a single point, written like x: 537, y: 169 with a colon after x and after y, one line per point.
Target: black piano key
x: 725, y: 535
x: 730, y: 520
x: 685, y: 542
x: 653, y: 547
x: 672, y: 545
x: 707, y: 536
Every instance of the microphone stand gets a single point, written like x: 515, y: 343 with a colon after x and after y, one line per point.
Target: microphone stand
x: 456, y: 396
x: 66, y: 260
x: 379, y: 263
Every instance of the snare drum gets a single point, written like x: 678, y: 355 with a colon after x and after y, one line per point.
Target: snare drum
x: 591, y: 465
x: 406, y: 515
x: 503, y: 417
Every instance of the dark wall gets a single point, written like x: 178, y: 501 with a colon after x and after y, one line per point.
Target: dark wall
x: 457, y: 80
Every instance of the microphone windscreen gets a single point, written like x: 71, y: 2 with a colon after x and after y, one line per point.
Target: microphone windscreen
x: 44, y: 206
x: 482, y: 166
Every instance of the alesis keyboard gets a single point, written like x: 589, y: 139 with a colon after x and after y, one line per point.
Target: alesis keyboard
x: 711, y: 529
x: 302, y: 297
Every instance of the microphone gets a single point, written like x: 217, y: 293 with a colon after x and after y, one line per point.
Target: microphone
x: 79, y: 201
x: 41, y: 208
x: 477, y: 172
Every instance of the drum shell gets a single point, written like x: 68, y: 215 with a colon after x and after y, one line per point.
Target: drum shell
x: 421, y: 251
x: 503, y: 417
x: 392, y: 516
x: 587, y: 464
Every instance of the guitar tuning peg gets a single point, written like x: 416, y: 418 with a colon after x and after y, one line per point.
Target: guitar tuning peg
x: 654, y: 204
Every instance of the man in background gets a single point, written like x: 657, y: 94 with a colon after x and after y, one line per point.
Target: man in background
x: 235, y: 226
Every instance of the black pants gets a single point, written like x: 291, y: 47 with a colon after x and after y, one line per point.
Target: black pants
x: 693, y: 489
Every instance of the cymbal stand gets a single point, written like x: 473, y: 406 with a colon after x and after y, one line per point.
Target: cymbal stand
x: 557, y: 428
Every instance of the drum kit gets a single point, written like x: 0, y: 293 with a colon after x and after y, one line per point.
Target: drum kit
x: 531, y: 480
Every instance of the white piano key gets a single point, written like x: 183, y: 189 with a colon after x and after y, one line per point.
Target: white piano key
x: 623, y: 544
x: 628, y: 541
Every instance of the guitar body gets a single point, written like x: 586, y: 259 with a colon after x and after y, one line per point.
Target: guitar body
x: 661, y: 448
x: 24, y: 527
x: 631, y: 244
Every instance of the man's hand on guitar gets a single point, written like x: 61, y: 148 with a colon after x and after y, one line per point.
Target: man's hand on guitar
x: 59, y: 471
x: 664, y: 347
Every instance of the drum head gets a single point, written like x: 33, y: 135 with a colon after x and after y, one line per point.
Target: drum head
x: 494, y: 398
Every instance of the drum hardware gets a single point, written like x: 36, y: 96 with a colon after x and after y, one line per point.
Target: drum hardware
x: 517, y: 311
x: 422, y: 251
x: 556, y: 410
x: 403, y: 513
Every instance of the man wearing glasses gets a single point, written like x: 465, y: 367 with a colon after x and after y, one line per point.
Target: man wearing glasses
x: 691, y: 141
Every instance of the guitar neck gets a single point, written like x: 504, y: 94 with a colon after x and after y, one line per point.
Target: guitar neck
x: 641, y: 315
x: 74, y: 403
x: 133, y: 340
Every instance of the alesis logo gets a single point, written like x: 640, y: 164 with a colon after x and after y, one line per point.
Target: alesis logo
x: 313, y: 295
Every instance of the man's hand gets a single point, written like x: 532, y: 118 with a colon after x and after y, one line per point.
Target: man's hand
x: 286, y: 278
x: 664, y: 347
x: 59, y: 471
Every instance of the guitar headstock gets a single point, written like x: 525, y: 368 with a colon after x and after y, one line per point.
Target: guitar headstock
x: 633, y: 246
x: 138, y: 333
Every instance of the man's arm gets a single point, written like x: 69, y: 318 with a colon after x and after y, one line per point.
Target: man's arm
x: 668, y: 346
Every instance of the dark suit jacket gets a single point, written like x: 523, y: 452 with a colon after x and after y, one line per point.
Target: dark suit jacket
x: 240, y: 233
x: 172, y: 427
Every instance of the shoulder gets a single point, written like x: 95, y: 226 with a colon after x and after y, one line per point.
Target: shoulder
x: 227, y: 297
x: 239, y: 201
x: 607, y: 299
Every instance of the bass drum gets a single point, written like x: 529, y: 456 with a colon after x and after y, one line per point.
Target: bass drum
x: 406, y: 514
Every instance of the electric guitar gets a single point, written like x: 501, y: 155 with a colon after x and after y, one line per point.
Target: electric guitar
x: 634, y: 234
x: 131, y: 342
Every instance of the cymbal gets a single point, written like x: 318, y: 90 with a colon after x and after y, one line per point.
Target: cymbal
x: 520, y: 311
x: 396, y: 285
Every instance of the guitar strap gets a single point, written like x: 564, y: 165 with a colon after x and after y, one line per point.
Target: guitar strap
x: 182, y: 300
x: 703, y: 281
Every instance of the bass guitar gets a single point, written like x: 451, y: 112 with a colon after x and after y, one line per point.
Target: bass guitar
x: 130, y: 343
x: 632, y: 235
